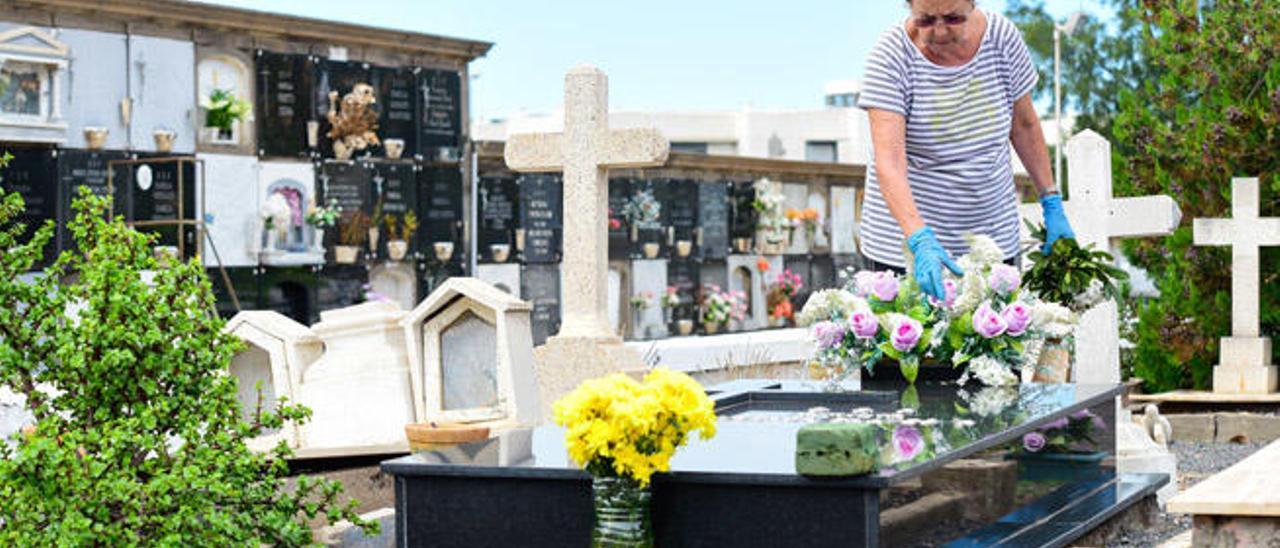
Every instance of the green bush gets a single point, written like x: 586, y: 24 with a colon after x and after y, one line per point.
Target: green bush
x: 138, y: 438
x: 1209, y: 113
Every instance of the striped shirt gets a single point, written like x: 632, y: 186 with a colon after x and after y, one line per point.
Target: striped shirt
x: 957, y: 139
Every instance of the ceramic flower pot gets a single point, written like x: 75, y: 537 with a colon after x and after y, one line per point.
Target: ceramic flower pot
x: 95, y: 137
x: 711, y: 328
x: 684, y: 248
x: 742, y: 245
x: 651, y: 249
x: 393, y: 147
x: 443, y: 250
x: 345, y: 254
x: 318, y: 238
x: 684, y: 327
x: 500, y: 252
x: 164, y: 139
x: 396, y: 249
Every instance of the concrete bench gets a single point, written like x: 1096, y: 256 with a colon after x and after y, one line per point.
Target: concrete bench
x: 1239, y: 506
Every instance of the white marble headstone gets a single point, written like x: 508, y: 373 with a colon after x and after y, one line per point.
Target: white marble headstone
x: 231, y: 208
x: 844, y: 222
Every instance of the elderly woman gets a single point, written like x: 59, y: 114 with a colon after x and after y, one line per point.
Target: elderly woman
x: 946, y: 92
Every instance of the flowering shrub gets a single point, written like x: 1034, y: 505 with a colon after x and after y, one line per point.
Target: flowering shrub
x: 617, y: 427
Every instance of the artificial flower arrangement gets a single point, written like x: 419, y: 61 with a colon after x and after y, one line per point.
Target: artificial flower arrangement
x: 323, y: 216
x: 983, y: 324
x: 641, y: 300
x: 222, y: 109
x: 1072, y: 434
x: 779, y: 293
x: 670, y: 298
x: 623, y: 432
x: 771, y: 216
x: 719, y: 307
x: 643, y: 210
x: 276, y: 214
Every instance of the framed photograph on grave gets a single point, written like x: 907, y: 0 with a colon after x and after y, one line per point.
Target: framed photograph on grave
x: 290, y: 291
x: 742, y: 226
x: 540, y: 285
x: 30, y: 174
x: 499, y: 214
x: 395, y: 186
x: 440, y: 210
x: 287, y: 126
x: 440, y: 114
x: 681, y: 212
x: 648, y: 219
x: 714, y: 216
x: 541, y: 218
x: 89, y: 169
x: 398, y: 115
x: 32, y: 62
x: 619, y: 229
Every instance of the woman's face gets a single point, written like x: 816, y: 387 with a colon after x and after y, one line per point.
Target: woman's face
x: 942, y: 23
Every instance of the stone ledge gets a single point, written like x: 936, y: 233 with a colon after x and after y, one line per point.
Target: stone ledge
x: 707, y: 353
x: 1249, y: 488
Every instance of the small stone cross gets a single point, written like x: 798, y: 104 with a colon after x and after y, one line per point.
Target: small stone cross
x: 1245, y: 357
x: 585, y: 152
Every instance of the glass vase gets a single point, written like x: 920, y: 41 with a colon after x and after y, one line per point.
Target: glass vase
x: 621, y: 514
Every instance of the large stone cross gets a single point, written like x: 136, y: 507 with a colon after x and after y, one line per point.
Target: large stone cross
x: 1098, y: 218
x: 584, y: 152
x: 1245, y: 357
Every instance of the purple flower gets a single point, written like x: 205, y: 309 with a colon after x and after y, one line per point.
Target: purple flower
x: 1033, y: 442
x: 951, y: 290
x: 988, y: 323
x: 1099, y: 423
x: 1056, y: 425
x: 1018, y: 317
x: 1082, y: 414
x: 862, y: 282
x: 907, y: 442
x: 906, y: 334
x: 829, y: 334
x: 863, y: 324
x: 1004, y: 279
x: 885, y: 286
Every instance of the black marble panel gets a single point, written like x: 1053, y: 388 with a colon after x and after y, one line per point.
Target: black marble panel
x: 31, y: 174
x: 432, y: 273
x: 243, y: 281
x: 714, y: 215
x: 285, y: 86
x: 164, y: 190
x: 541, y: 217
x: 499, y: 216
x: 744, y: 215
x: 398, y: 100
x: 684, y: 276
x: 440, y: 110
x: 619, y: 230
x: 348, y: 184
x: 654, y: 231
x: 395, y: 186
x: 540, y: 285
x: 290, y: 291
x: 440, y: 210
x: 340, y: 77
x: 340, y: 286
x: 88, y: 169
x: 681, y: 205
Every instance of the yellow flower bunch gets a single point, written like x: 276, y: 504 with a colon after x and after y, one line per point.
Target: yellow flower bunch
x: 620, y: 427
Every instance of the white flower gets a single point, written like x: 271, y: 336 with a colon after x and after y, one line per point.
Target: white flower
x: 829, y: 303
x: 1053, y: 320
x: 991, y: 372
x: 1090, y: 298
x: 991, y: 400
x: 278, y: 212
x: 983, y: 253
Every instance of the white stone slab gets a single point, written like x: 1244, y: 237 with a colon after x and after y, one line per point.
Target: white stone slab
x: 797, y: 197
x: 844, y: 222
x: 231, y: 208
x: 97, y: 83
x: 162, y: 80
x: 505, y: 277
x: 617, y: 300
x: 273, y: 175
x: 732, y: 349
x: 650, y: 276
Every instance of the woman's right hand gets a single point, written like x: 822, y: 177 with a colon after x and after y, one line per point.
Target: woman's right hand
x: 930, y: 257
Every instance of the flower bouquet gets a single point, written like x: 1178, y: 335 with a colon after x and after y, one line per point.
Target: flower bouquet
x: 669, y: 300
x: 718, y: 307
x: 320, y: 218
x: 622, y: 432
x: 778, y: 296
x: 771, y: 221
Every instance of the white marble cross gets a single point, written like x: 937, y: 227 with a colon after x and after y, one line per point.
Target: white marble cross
x: 1098, y: 218
x: 585, y: 152
x: 1246, y: 355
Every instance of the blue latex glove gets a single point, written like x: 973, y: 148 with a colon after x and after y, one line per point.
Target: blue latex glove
x: 1055, y: 222
x: 930, y: 258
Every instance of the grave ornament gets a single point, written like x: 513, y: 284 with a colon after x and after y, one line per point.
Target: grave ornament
x: 354, y: 126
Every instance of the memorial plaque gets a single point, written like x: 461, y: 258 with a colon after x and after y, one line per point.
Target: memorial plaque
x: 30, y: 174
x: 397, y: 98
x: 619, y: 230
x: 541, y: 218
x: 742, y: 197
x: 540, y: 285
x: 395, y: 185
x: 713, y: 220
x: 83, y: 168
x: 349, y: 184
x: 499, y: 212
x: 683, y: 275
x: 342, y: 77
x: 440, y: 110
x: 469, y: 363
x: 340, y: 286
x: 290, y: 291
x: 160, y: 191
x: 440, y: 211
x: 681, y: 212
x: 284, y: 97
x: 651, y: 231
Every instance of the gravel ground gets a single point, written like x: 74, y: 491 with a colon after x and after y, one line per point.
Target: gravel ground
x: 1196, y: 461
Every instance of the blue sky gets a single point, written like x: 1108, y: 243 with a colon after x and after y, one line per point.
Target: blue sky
x: 659, y: 54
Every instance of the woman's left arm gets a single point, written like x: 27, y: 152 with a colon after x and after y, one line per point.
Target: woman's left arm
x: 1028, y: 141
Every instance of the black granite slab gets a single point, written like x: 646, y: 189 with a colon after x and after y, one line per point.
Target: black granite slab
x: 31, y: 175
x: 499, y: 216
x: 285, y: 84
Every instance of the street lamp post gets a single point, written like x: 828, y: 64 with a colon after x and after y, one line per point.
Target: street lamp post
x: 1058, y: 30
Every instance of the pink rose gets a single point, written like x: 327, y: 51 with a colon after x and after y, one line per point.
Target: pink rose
x: 951, y: 289
x: 988, y: 323
x: 1018, y: 318
x: 1004, y: 279
x: 907, y: 442
x: 863, y: 324
x: 906, y: 334
x: 885, y: 286
x: 1033, y: 442
x: 828, y: 334
x: 862, y: 282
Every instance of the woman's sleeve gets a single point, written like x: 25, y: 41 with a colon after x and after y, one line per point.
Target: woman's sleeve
x: 884, y: 86
x: 1022, y: 73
